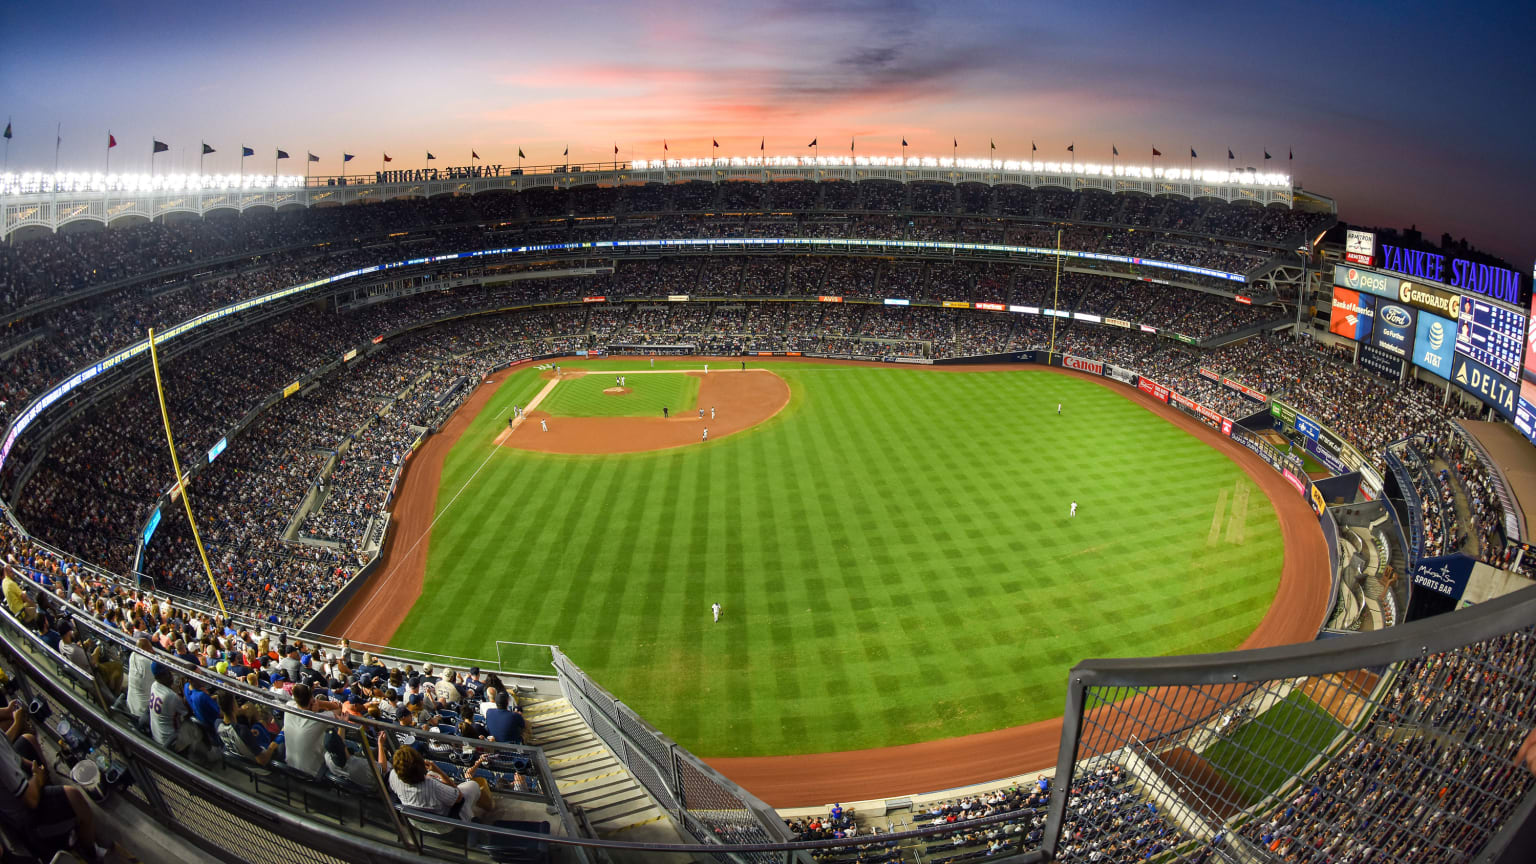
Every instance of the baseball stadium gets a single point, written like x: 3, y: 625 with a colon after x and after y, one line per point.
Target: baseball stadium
x: 816, y: 508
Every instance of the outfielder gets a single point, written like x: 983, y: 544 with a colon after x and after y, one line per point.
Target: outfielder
x: 715, y: 608
x: 1058, y: 409
x: 1073, y: 511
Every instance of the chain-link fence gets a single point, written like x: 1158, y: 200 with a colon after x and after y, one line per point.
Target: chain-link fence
x: 1397, y: 746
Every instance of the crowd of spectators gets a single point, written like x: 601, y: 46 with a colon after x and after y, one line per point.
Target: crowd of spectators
x: 1431, y: 772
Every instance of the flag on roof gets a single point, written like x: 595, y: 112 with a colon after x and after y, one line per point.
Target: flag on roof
x: 7, y: 130
x: 387, y: 158
x: 159, y: 146
x: 520, y: 153
x: 474, y: 155
x: 993, y: 143
x: 1113, y: 150
x: 615, y: 149
x: 1229, y: 153
x: 1032, y: 147
x: 812, y: 144
x: 206, y: 148
x: 346, y: 157
x: 903, y: 142
x: 1193, y: 154
x: 246, y: 151
x: 111, y: 141
x: 1267, y: 157
x: 567, y: 150
x: 762, y: 145
x: 313, y: 157
x: 282, y: 154
x: 715, y: 142
x: 1072, y: 148
x: 430, y: 156
x: 1156, y: 152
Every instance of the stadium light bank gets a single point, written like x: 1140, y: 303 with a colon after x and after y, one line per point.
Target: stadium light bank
x: 1078, y: 169
x: 38, y: 183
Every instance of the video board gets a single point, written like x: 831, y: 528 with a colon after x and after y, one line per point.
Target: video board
x: 1492, y: 335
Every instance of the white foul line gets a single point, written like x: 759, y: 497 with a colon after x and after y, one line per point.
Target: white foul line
x: 378, y: 590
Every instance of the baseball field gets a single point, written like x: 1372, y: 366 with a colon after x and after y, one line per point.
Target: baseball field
x: 892, y: 548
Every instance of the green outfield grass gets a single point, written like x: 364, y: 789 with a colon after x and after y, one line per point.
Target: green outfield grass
x: 892, y: 550
x: 1266, y: 753
x: 584, y: 397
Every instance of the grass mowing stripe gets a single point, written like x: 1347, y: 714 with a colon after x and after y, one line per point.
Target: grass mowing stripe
x: 893, y: 538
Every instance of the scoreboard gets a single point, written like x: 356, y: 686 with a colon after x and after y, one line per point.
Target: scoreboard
x: 1492, y: 335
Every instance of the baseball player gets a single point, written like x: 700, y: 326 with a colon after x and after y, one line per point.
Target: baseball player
x: 701, y: 413
x: 618, y: 381
x: 1058, y: 409
x: 663, y: 412
x: 706, y: 433
x: 706, y: 368
x: 544, y: 424
x: 743, y: 365
x: 711, y: 412
x: 1073, y: 511
x: 715, y: 608
x: 653, y: 362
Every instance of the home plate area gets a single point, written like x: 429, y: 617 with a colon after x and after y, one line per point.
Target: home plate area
x: 739, y: 400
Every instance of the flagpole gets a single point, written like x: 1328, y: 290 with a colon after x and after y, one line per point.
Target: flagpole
x: 58, y: 138
x: 202, y: 153
x: 109, y: 151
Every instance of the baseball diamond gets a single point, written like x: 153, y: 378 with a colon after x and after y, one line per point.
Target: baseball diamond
x: 891, y: 538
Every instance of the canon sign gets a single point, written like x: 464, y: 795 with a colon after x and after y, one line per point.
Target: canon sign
x: 1082, y: 365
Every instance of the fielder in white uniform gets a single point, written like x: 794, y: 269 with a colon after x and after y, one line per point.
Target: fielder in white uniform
x: 544, y: 424
x: 715, y: 608
x: 1074, y: 509
x: 706, y: 433
x: 1058, y: 409
x: 711, y: 412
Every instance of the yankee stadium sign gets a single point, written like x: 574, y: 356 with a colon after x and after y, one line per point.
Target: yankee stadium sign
x: 1500, y: 283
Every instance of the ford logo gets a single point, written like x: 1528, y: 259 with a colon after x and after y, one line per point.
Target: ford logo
x: 1436, y: 335
x: 1397, y: 316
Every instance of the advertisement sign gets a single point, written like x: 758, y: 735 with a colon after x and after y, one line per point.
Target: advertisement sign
x: 1307, y: 427
x: 1394, y: 329
x: 1234, y: 384
x: 1485, y: 384
x: 1226, y: 427
x: 956, y: 304
x: 1366, y: 281
x: 1381, y: 362
x: 347, y: 357
x: 290, y: 389
x: 1118, y: 322
x: 1353, y: 314
x: 1152, y: 388
x: 1442, y: 303
x: 151, y: 525
x: 1210, y: 374
x: 677, y: 298
x: 894, y: 301
x: 1318, y: 504
x: 1124, y: 376
x: 215, y: 450
x: 990, y: 307
x: 594, y: 299
x: 1283, y: 413
x: 1360, y: 247
x: 1446, y: 574
x: 827, y: 298
x: 1525, y: 410
x: 1296, y: 482
x: 1491, y: 335
x: 1434, y: 342
x: 1082, y: 365
x: 1326, y: 439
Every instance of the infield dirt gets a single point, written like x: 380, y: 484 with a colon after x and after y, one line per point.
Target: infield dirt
x: 1298, y: 610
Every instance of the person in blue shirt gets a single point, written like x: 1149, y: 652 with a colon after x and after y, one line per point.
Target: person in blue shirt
x: 503, y: 725
x: 203, y: 707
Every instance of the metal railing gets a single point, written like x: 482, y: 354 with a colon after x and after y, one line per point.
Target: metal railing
x: 1397, y: 745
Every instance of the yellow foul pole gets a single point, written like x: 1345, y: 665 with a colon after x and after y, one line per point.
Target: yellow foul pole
x: 1055, y: 300
x: 186, y: 500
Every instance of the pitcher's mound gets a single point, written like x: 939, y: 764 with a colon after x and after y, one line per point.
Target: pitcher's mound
x: 740, y: 400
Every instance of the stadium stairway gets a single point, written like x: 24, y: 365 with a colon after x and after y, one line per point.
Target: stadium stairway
x: 588, y: 776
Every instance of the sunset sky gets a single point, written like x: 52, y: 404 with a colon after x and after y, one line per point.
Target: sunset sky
x: 1404, y: 113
